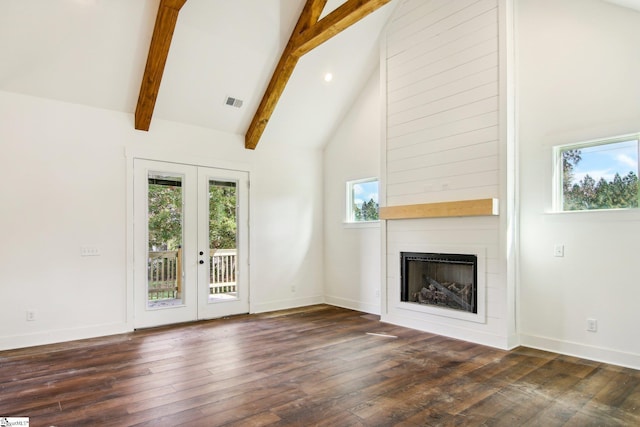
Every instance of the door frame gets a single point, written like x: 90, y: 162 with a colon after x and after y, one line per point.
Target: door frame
x: 207, y: 309
x: 171, y: 156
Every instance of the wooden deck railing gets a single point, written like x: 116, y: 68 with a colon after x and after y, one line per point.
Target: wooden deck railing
x: 165, y: 283
x: 163, y: 280
x: 222, y: 271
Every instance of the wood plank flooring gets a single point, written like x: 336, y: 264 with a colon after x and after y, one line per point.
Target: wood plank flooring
x: 316, y: 366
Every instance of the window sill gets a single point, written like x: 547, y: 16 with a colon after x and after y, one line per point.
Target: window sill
x: 632, y: 214
x: 362, y: 224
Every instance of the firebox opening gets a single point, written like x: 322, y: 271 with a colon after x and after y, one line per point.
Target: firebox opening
x: 440, y: 280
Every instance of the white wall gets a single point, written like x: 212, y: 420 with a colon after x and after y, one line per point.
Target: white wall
x: 578, y: 68
x: 63, y: 169
x: 352, y: 252
x: 446, y: 142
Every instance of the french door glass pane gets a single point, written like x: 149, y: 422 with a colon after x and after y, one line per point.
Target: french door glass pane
x: 223, y: 228
x: 165, y: 214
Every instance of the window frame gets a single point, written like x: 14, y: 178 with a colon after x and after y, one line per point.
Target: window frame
x: 349, y: 212
x: 558, y: 175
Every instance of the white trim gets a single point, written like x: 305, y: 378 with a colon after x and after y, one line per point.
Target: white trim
x: 557, y: 192
x: 599, y: 354
x: 286, y: 304
x: 170, y: 156
x: 62, y: 335
x: 382, y: 183
x: 449, y: 330
x: 362, y: 224
x: 129, y: 236
x: 353, y: 304
x: 350, y: 183
x: 509, y: 172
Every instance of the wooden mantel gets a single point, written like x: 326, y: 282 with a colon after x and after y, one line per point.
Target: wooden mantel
x: 458, y: 208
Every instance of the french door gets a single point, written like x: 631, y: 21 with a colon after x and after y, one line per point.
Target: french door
x: 190, y: 243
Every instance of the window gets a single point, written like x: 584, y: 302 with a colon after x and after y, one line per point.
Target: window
x: 597, y: 175
x: 362, y: 200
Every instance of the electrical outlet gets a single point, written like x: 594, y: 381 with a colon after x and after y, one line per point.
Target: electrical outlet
x: 558, y: 250
x: 31, y: 315
x: 592, y: 325
x: 89, y: 251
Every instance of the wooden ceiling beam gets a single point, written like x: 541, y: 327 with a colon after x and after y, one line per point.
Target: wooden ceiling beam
x: 334, y: 23
x: 287, y: 63
x: 157, y: 58
x: 308, y: 34
x: 310, y: 15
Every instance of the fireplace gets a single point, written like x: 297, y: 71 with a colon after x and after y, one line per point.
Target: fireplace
x: 440, y: 280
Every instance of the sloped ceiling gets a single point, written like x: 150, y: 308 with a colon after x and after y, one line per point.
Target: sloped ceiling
x: 93, y: 52
x: 631, y: 4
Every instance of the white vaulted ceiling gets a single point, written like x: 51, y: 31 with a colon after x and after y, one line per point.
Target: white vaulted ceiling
x: 631, y: 4
x: 93, y: 52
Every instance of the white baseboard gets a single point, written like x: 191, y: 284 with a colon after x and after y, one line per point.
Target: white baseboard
x: 94, y: 331
x: 62, y: 335
x: 353, y: 305
x: 598, y: 354
x: 460, y: 333
x: 264, y: 307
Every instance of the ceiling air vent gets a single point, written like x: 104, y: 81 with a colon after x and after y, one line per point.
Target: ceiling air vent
x: 233, y: 102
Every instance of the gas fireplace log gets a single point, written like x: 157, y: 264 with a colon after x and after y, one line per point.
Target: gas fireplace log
x: 448, y: 293
x: 421, y: 297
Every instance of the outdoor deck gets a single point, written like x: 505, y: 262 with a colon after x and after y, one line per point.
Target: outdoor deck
x: 165, y: 285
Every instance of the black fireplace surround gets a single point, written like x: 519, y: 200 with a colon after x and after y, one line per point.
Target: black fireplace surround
x: 440, y: 280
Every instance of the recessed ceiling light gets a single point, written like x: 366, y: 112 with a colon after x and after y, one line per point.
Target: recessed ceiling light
x: 328, y: 77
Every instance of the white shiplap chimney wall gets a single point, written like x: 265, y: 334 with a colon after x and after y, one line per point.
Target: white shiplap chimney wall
x: 443, y: 143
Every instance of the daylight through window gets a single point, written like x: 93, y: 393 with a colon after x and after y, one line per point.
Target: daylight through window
x: 362, y: 200
x: 598, y: 175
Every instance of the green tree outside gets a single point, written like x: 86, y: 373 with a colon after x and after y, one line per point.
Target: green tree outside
x: 587, y: 194
x: 222, y: 215
x: 368, y: 211
x: 165, y: 216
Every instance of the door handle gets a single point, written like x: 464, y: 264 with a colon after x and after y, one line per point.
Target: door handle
x: 201, y: 252
x: 201, y: 261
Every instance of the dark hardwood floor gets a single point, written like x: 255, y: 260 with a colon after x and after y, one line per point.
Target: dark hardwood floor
x: 317, y: 366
